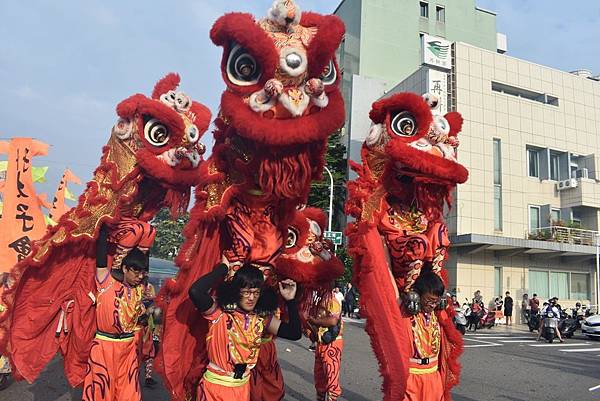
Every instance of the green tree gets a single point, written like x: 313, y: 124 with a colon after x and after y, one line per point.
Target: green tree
x: 169, y: 234
x: 335, y: 160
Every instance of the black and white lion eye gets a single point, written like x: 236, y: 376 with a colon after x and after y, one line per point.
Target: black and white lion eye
x: 155, y: 132
x: 242, y: 68
x: 192, y: 134
x: 292, y: 238
x: 404, y: 124
x: 329, y: 75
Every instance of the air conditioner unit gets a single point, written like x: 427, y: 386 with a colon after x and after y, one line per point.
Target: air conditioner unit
x: 566, y: 184
x: 582, y: 173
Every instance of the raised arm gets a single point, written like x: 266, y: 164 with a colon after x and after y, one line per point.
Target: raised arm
x: 102, y: 253
x: 199, y: 291
x: 292, y: 329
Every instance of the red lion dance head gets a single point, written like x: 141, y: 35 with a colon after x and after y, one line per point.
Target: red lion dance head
x: 152, y: 160
x: 282, y: 99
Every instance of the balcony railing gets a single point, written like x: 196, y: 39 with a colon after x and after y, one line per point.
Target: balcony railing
x: 567, y: 235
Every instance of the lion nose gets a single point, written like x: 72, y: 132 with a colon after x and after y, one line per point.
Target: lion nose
x: 293, y: 60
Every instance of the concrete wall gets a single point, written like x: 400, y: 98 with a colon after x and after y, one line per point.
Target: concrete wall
x: 518, y: 122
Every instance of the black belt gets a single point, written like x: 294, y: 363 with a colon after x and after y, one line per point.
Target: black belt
x: 120, y: 336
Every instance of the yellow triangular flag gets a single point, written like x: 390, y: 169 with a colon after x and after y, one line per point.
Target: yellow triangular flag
x: 39, y: 174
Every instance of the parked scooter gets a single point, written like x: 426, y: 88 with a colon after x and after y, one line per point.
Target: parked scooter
x: 460, y: 318
x: 550, y: 324
x: 488, y: 320
x: 533, y: 322
x: 569, y: 324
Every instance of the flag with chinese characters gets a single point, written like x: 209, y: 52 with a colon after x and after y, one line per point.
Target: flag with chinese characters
x: 59, y: 207
x: 22, y: 218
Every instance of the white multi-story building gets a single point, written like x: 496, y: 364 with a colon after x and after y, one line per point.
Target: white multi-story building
x: 527, y: 220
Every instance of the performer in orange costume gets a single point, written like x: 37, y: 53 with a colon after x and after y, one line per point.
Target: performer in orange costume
x: 267, y: 379
x: 424, y: 376
x: 113, y: 365
x: 237, y: 321
x: 326, y: 331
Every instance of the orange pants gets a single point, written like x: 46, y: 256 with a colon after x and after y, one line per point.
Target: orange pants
x: 423, y: 386
x: 328, y: 359
x: 267, y: 380
x: 208, y: 391
x: 113, y: 371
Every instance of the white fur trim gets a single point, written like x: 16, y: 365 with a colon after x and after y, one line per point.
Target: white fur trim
x: 375, y: 136
x: 259, y: 107
x: 123, y: 129
x: 296, y: 109
x: 322, y: 101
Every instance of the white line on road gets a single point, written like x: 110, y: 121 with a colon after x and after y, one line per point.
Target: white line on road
x: 504, y: 338
x: 483, y: 343
x: 581, y: 350
x: 560, y: 345
x: 517, y: 341
x: 595, y: 388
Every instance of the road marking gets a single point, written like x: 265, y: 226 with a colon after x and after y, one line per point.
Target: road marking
x: 560, y: 345
x: 483, y: 343
x: 581, y: 350
x: 517, y: 341
x: 595, y: 388
x: 505, y: 337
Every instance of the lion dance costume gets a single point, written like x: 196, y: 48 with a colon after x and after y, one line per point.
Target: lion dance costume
x: 408, y: 171
x: 308, y: 260
x: 151, y: 161
x: 281, y: 104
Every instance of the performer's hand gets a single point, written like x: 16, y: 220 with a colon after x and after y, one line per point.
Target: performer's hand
x: 287, y: 289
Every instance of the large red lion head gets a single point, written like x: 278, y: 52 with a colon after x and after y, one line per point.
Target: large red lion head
x: 164, y: 133
x: 281, y: 74
x: 416, y: 141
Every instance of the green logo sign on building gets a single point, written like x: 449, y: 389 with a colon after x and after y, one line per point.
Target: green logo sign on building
x: 436, y: 52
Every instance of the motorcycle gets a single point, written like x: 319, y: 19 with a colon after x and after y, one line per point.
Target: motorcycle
x: 570, y: 324
x: 550, y: 325
x: 488, y: 319
x: 533, y: 322
x: 460, y: 318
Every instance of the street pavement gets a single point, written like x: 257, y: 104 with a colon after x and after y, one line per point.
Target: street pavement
x: 499, y: 364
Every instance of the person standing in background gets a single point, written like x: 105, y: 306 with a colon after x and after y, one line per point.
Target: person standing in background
x: 508, y: 308
x: 349, y: 300
x: 525, y: 309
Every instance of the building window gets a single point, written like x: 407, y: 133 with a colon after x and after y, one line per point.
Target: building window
x: 559, y: 285
x: 534, y: 218
x: 554, y: 167
x: 440, y: 14
x: 424, y: 9
x: 524, y: 93
x: 563, y: 285
x: 580, y: 289
x: 538, y: 283
x: 497, y: 184
x: 497, y: 281
x: 533, y: 162
x: 554, y: 216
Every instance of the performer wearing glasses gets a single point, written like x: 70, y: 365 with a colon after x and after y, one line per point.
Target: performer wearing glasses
x: 425, y: 379
x: 238, y: 317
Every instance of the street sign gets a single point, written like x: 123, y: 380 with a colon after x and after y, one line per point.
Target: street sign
x: 334, y: 236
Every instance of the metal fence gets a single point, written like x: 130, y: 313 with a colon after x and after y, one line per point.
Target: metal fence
x: 567, y: 235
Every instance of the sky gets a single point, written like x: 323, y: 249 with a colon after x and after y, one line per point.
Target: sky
x: 65, y: 65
